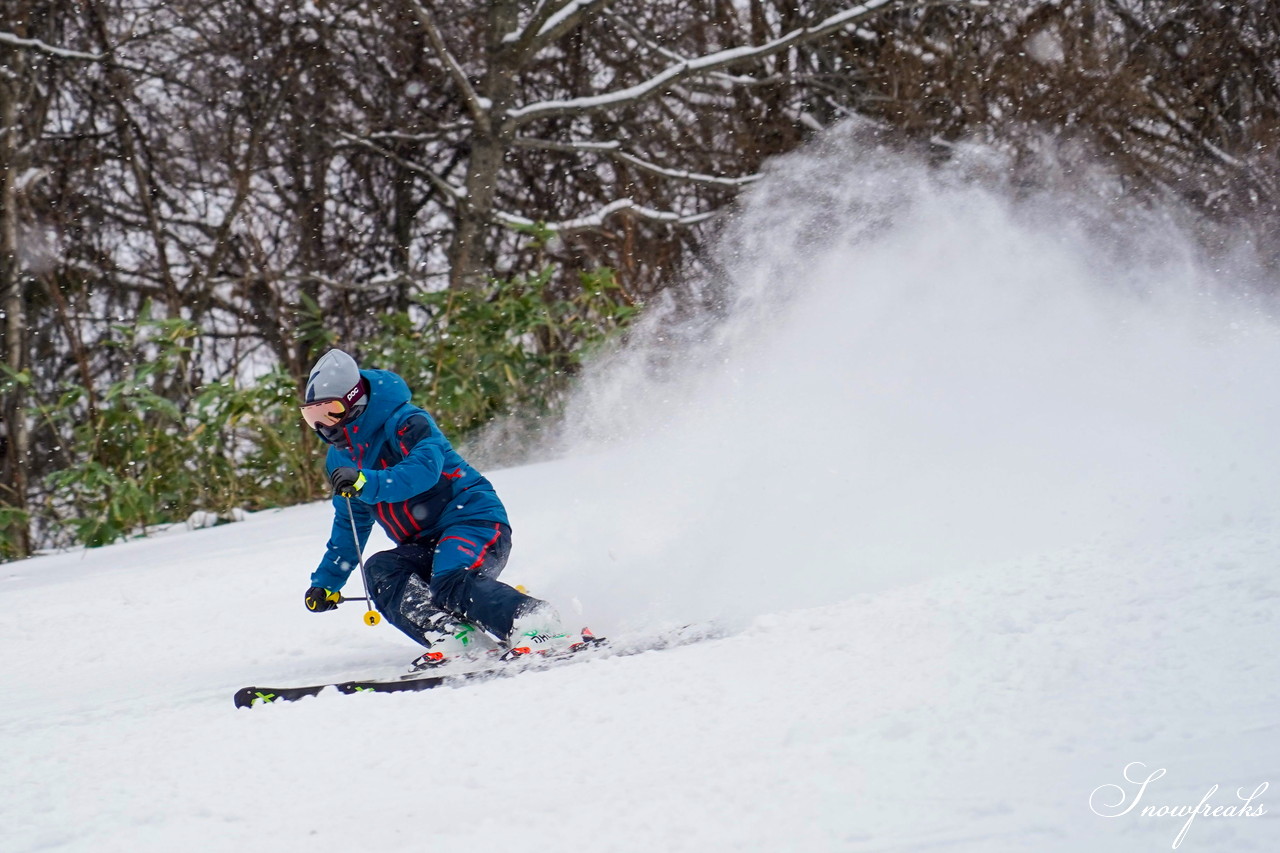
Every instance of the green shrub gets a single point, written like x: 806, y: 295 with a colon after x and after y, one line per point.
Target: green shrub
x: 145, y: 450
x: 139, y: 458
x: 472, y: 356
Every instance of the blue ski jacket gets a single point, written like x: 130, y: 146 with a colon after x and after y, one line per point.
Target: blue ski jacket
x: 416, y: 483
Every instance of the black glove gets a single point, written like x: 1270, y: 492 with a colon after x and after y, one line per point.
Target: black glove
x: 347, y: 482
x: 319, y: 599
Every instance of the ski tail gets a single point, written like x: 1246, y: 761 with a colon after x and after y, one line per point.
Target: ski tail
x: 248, y: 697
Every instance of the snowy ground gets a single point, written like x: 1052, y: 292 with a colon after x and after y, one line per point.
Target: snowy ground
x: 984, y: 535
x: 976, y: 712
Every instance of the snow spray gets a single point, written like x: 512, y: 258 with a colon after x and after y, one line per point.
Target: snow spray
x: 910, y: 370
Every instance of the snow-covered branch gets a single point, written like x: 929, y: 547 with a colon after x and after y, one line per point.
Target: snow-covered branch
x: 597, y: 219
x: 564, y: 19
x: 52, y: 50
x: 702, y: 65
x: 683, y: 175
x: 659, y: 49
x: 522, y: 38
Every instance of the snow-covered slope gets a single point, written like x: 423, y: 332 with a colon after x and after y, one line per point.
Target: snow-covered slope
x: 989, y: 523
x: 975, y: 712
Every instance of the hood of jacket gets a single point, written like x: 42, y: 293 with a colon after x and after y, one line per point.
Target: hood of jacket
x: 387, y: 392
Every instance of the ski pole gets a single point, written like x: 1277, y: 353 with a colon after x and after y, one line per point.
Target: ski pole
x: 371, y: 616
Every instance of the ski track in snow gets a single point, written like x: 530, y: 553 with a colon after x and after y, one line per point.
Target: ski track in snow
x: 978, y: 550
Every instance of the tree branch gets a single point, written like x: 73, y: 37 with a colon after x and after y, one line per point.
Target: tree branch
x: 478, y: 105
x: 613, y: 150
x: 553, y: 27
x: 522, y: 39
x: 596, y: 220
x: 688, y: 68
x: 44, y: 47
x: 454, y: 194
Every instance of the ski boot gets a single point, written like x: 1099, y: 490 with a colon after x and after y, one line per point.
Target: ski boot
x: 449, y: 640
x: 540, y: 632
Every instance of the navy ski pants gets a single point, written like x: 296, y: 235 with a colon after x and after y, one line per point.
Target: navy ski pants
x: 456, y: 571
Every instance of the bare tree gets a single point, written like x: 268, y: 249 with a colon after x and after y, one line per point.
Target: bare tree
x: 280, y: 175
x: 507, y: 110
x: 32, y: 61
x: 1181, y: 100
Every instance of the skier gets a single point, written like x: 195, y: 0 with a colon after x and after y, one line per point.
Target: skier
x: 388, y: 459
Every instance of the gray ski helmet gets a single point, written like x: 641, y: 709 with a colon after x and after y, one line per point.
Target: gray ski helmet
x: 336, y: 376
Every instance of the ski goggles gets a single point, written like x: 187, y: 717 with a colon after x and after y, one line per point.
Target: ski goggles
x: 330, y: 411
x: 324, y: 413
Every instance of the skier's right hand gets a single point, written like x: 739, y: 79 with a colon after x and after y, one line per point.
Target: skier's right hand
x: 319, y: 599
x: 347, y: 481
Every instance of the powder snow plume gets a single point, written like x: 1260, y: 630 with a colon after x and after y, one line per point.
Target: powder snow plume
x: 911, y: 373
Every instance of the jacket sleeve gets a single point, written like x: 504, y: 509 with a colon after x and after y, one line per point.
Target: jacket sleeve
x: 424, y: 449
x: 342, y: 554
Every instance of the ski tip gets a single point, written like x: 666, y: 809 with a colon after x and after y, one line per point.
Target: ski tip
x: 590, y: 639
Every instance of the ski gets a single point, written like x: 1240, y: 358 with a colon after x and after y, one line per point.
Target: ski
x: 247, y: 697
x: 595, y: 648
